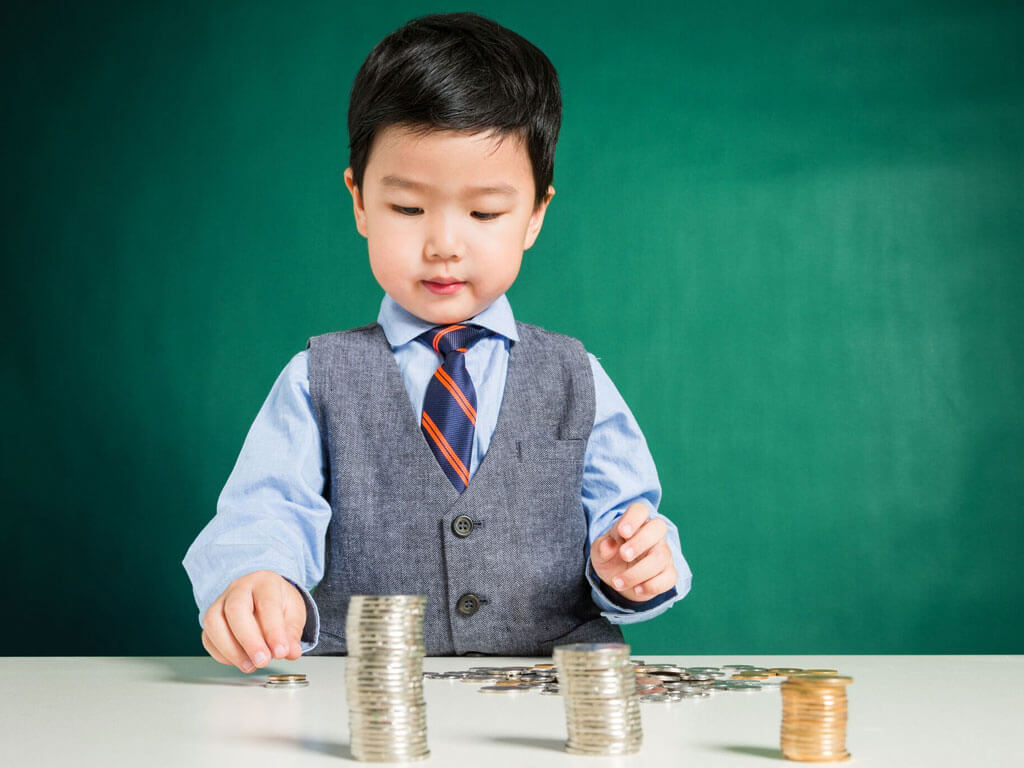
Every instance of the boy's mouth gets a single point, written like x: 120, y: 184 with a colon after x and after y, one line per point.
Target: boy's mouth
x: 444, y: 286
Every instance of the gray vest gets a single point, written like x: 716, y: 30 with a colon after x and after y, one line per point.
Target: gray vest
x: 503, y: 563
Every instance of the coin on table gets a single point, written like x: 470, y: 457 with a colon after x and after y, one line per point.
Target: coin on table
x: 286, y: 681
x: 713, y: 671
x: 514, y: 688
x: 738, y: 685
x: 661, y: 698
x: 534, y: 677
x: 751, y: 676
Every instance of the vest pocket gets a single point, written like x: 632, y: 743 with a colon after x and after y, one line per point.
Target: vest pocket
x: 546, y: 449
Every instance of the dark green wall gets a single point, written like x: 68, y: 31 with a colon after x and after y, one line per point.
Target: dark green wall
x: 793, y: 234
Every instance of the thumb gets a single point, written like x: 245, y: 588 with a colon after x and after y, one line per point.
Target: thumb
x: 604, y: 549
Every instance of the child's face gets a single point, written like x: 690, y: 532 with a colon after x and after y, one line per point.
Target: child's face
x: 446, y: 217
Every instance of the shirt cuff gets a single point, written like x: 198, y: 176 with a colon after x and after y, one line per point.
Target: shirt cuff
x: 619, y: 610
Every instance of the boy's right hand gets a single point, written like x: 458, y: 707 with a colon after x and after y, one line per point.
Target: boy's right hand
x: 258, y: 617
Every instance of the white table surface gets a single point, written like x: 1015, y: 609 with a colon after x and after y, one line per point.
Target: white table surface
x: 904, y: 711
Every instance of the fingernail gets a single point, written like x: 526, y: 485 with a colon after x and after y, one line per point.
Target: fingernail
x: 617, y: 582
x: 260, y: 659
x: 626, y: 530
x: 639, y: 590
x: 280, y: 650
x: 627, y: 552
x: 247, y: 666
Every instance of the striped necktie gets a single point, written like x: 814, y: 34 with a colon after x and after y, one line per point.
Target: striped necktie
x: 449, y: 407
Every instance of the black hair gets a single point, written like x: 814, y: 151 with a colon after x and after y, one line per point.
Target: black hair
x: 461, y: 72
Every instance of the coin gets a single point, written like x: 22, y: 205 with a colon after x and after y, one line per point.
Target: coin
x: 711, y: 671
x: 738, y: 685
x: 286, y: 681
x: 661, y: 698
x: 751, y: 674
x: 506, y: 688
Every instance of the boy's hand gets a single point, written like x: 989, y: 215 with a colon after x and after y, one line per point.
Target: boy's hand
x: 633, y: 557
x: 258, y: 617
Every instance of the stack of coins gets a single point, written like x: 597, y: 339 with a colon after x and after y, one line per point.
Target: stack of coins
x: 602, y: 709
x: 814, y: 717
x: 384, y: 676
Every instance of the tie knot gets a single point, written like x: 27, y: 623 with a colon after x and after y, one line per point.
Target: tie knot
x: 449, y: 338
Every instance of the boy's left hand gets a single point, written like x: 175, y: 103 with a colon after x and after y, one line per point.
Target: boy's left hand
x: 633, y: 558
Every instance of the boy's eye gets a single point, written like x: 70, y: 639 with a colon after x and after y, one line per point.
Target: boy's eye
x: 406, y: 210
x: 484, y: 216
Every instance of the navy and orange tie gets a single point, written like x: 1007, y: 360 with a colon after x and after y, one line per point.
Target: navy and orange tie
x: 449, y: 406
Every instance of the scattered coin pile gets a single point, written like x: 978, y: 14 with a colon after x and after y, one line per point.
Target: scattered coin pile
x: 384, y: 678
x: 602, y: 710
x: 814, y: 717
x: 659, y: 683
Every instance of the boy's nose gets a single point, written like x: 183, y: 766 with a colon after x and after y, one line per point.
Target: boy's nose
x: 442, y: 241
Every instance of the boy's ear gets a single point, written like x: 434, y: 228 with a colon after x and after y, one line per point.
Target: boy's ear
x: 537, y: 219
x: 358, y: 209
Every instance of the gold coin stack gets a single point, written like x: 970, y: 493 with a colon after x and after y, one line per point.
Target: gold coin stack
x: 387, y: 714
x: 814, y: 717
x: 602, y: 708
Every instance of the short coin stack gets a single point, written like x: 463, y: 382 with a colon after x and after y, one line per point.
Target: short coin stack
x: 286, y: 681
x: 384, y: 676
x: 602, y: 709
x: 814, y: 717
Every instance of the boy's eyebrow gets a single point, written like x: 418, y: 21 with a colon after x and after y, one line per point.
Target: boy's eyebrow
x: 501, y: 188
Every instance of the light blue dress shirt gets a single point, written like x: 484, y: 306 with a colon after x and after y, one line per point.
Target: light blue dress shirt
x: 272, y: 514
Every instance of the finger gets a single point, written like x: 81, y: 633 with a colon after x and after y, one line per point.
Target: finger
x: 294, y: 619
x: 240, y: 613
x: 663, y: 582
x: 212, y: 650
x: 268, y: 607
x: 647, y: 567
x: 634, y: 516
x: 605, y: 549
x: 218, y: 633
x: 650, y: 533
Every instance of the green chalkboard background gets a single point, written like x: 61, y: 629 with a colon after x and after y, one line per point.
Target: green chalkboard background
x: 793, y: 233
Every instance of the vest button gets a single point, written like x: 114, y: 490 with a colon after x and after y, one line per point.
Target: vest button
x: 468, y: 604
x: 462, y: 526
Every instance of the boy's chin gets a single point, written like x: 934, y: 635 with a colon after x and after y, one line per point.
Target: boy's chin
x: 439, y: 315
x: 446, y: 319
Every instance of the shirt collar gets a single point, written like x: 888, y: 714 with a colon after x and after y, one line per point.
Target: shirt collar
x: 401, y: 327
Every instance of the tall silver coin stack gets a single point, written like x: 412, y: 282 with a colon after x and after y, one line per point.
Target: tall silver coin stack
x: 387, y: 715
x: 602, y: 708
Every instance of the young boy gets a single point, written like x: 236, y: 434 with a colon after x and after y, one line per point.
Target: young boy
x: 446, y: 449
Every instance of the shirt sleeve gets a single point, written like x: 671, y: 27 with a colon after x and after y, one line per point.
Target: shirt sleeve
x: 271, y: 514
x: 618, y: 470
